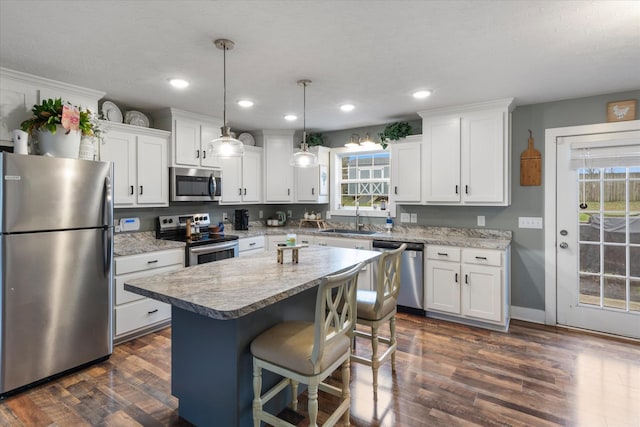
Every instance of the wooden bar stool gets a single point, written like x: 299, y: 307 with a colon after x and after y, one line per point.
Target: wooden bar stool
x: 376, y: 307
x: 306, y: 352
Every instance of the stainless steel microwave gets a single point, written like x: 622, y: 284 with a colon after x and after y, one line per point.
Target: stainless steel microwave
x: 195, y: 185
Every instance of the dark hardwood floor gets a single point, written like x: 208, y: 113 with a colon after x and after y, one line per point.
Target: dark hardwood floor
x: 447, y: 375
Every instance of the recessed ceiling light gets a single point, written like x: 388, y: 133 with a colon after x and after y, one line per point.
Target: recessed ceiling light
x: 245, y: 103
x: 421, y: 94
x: 290, y: 117
x: 347, y: 107
x: 178, y: 83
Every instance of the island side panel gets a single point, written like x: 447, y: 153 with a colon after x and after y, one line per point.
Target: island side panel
x: 212, y: 369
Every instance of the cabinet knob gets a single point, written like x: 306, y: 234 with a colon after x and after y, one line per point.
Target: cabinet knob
x: 456, y: 188
x: 466, y: 189
x: 131, y: 193
x: 466, y: 279
x: 141, y: 190
x: 197, y: 154
x: 395, y: 190
x: 456, y: 277
x: 313, y: 191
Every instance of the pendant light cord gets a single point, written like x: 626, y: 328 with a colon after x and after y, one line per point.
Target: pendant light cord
x: 224, y: 85
x: 304, y: 112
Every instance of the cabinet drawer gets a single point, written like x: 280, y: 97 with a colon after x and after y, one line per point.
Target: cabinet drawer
x: 138, y: 314
x: 148, y: 261
x: 251, y: 243
x: 443, y: 253
x: 123, y: 297
x: 482, y: 257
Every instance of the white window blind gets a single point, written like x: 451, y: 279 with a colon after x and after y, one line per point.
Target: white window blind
x: 623, y: 152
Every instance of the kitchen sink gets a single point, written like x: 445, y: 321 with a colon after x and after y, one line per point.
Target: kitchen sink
x: 348, y: 231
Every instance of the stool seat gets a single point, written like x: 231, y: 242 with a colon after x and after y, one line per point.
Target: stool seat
x: 295, y: 347
x: 366, y: 305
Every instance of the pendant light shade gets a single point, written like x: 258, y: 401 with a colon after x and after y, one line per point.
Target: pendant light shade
x: 225, y: 145
x: 304, y: 158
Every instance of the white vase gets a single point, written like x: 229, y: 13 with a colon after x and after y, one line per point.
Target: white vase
x: 59, y: 144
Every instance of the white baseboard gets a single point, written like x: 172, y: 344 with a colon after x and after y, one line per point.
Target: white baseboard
x: 528, y: 314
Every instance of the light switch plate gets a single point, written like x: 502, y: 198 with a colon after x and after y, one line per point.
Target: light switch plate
x: 481, y: 221
x: 405, y: 217
x: 529, y: 222
x: 260, y: 214
x: 414, y: 218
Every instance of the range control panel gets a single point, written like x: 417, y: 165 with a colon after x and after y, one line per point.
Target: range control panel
x: 172, y: 222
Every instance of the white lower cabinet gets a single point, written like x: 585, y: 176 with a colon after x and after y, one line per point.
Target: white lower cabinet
x: 135, y: 315
x: 250, y: 245
x: 468, y: 284
x: 364, y: 278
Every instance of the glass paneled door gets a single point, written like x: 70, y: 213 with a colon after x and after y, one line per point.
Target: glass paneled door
x: 598, y: 233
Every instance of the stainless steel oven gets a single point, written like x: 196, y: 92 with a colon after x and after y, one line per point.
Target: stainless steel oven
x: 202, y: 247
x: 213, y: 252
x: 195, y: 185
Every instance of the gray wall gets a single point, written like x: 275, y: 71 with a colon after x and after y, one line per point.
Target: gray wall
x: 528, y: 245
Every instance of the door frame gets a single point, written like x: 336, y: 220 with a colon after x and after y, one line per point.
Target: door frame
x: 550, y: 165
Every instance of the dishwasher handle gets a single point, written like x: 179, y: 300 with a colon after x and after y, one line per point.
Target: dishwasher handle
x: 388, y: 244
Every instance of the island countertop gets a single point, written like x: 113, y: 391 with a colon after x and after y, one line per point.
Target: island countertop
x: 235, y: 287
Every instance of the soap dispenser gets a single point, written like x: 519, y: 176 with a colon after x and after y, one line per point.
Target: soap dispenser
x: 389, y: 224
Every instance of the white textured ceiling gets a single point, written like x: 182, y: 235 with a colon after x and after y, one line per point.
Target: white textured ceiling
x: 373, y: 54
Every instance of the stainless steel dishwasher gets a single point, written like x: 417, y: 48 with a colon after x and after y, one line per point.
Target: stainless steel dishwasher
x: 411, y: 285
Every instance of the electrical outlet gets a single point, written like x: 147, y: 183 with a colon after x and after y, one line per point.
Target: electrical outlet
x: 289, y: 214
x: 529, y: 222
x: 224, y: 216
x: 480, y: 220
x: 405, y: 217
x: 327, y: 215
x: 414, y: 218
x: 260, y: 214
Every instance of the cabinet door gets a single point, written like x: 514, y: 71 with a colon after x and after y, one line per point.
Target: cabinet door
x: 405, y: 171
x: 231, y: 179
x: 443, y: 286
x: 187, y: 142
x: 482, y: 292
x: 441, y: 160
x: 153, y: 171
x: 307, y: 184
x: 278, y: 172
x: 252, y: 176
x: 207, y: 135
x: 483, y: 157
x: 120, y: 148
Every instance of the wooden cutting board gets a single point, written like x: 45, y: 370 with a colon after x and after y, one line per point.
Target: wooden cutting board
x: 530, y: 165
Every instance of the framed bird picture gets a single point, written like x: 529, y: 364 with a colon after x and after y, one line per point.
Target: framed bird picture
x: 618, y: 111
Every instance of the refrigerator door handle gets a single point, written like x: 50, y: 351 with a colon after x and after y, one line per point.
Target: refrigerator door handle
x: 108, y: 220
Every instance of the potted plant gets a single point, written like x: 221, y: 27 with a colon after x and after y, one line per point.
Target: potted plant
x: 58, y: 127
x: 314, y: 139
x: 394, y: 132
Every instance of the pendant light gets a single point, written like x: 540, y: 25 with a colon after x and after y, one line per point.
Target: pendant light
x: 304, y: 158
x: 225, y: 145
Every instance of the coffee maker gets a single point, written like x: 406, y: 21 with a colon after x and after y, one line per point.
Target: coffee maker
x: 241, y: 221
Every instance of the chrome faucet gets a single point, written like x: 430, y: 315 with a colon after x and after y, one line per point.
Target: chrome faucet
x: 358, y: 224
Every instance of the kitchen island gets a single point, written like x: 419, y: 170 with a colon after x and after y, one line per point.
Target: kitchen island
x: 217, y: 310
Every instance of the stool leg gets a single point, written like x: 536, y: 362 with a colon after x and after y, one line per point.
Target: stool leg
x: 313, y: 404
x: 294, y: 397
x: 346, y: 394
x: 257, y: 389
x: 374, y: 360
x: 392, y: 328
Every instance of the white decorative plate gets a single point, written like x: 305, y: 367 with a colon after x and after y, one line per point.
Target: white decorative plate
x: 247, y: 139
x: 111, y: 112
x: 136, y: 118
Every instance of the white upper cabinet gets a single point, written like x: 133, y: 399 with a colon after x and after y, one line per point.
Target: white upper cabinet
x: 278, y: 174
x: 242, y: 177
x: 191, y: 137
x: 406, y: 169
x: 312, y: 184
x: 140, y: 167
x: 466, y: 155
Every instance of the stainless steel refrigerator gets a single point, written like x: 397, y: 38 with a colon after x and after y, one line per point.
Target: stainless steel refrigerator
x: 56, y: 248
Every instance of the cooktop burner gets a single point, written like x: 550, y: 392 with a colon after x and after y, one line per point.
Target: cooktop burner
x: 174, y: 227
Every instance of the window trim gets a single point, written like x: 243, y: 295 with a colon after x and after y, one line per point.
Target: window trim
x: 335, y: 166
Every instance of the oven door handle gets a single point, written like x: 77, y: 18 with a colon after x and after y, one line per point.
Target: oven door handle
x: 213, y: 248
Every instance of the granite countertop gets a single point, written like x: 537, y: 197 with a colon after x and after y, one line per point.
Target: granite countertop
x: 233, y: 288
x: 140, y: 243
x: 467, y: 237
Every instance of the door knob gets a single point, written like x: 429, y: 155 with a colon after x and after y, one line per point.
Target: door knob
x: 564, y: 245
